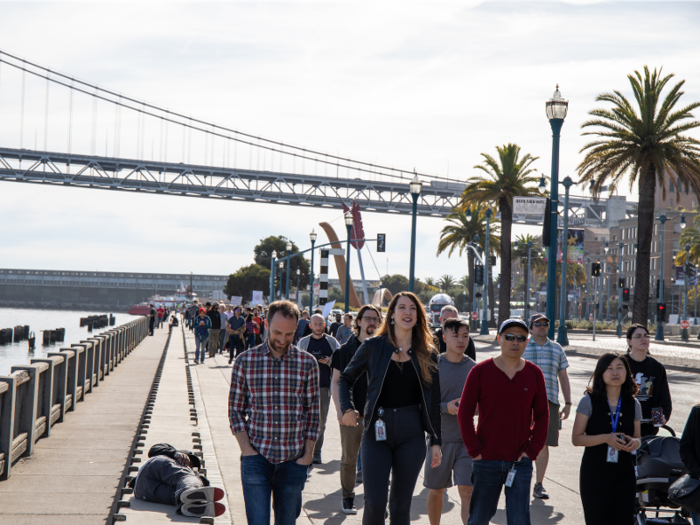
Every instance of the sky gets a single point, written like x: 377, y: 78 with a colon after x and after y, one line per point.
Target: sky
x: 428, y: 85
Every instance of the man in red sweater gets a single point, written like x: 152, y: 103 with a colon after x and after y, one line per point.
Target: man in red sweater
x: 511, y: 398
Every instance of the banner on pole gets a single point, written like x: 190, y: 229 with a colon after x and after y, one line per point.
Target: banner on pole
x: 236, y: 300
x: 257, y: 297
x: 529, y: 205
x: 574, y: 250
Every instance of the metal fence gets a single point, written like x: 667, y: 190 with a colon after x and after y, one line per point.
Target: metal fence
x: 35, y: 397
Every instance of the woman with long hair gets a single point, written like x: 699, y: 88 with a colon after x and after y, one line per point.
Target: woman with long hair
x: 608, y: 425
x: 650, y: 376
x: 403, y: 404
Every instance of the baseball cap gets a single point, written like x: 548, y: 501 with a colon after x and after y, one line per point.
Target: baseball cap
x: 513, y: 322
x: 538, y: 317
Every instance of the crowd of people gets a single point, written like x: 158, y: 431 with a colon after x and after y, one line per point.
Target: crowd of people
x: 410, y: 400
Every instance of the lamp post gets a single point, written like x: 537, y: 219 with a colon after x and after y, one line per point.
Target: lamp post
x: 562, y: 338
x: 556, y: 108
x: 298, y: 275
x: 684, y: 332
x: 312, y: 236
x: 619, y: 289
x: 588, y: 288
x: 281, y: 265
x: 414, y: 187
x: 695, y: 318
x: 487, y: 263
x: 607, y: 273
x: 660, y: 288
x: 348, y: 223
x: 527, y: 286
x: 475, y: 306
x: 272, y: 275
x: 289, y: 268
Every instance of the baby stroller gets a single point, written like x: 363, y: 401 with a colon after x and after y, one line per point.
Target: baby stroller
x: 659, y: 465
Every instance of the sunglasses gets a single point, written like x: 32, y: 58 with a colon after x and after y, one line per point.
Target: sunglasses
x: 513, y: 337
x: 542, y: 324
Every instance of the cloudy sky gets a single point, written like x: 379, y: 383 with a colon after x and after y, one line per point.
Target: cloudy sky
x: 427, y: 85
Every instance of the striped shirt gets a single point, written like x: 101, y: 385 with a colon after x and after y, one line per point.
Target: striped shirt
x: 276, y: 401
x: 551, y: 359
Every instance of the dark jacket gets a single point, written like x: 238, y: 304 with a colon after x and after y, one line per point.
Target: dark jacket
x: 690, y: 443
x: 440, y: 344
x: 374, y: 357
x: 164, y: 449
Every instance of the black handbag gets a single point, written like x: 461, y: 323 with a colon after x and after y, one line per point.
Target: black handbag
x: 685, y: 492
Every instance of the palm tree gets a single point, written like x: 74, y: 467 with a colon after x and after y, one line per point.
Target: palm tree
x: 507, y: 177
x: 537, y: 263
x: 461, y: 229
x: 690, y: 236
x: 429, y: 281
x: 645, y: 142
x: 446, y: 282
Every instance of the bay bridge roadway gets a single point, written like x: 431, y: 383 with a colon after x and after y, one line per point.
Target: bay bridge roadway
x: 385, y: 195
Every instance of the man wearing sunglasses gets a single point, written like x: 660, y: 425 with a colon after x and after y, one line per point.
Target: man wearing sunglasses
x: 511, y: 397
x: 550, y: 357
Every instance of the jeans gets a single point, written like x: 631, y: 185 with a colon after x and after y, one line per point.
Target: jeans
x: 251, y: 341
x: 162, y: 480
x: 325, y: 404
x: 200, y: 342
x: 151, y: 324
x: 696, y: 518
x: 350, y: 439
x: 402, y: 455
x: 284, y: 482
x: 489, y: 476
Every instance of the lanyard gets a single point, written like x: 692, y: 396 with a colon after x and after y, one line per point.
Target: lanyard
x: 614, y: 420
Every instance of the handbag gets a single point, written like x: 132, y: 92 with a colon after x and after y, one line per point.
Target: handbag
x: 685, y: 492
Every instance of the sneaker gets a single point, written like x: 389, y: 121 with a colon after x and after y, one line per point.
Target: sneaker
x: 358, y: 479
x: 316, y: 460
x: 203, y: 508
x: 539, y: 492
x: 349, y: 506
x: 201, y: 494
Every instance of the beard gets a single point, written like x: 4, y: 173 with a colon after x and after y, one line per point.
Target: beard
x: 276, y: 348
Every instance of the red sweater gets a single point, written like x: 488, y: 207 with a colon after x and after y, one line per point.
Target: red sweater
x: 507, y: 410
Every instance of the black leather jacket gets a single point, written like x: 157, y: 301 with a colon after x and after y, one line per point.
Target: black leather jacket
x: 374, y: 357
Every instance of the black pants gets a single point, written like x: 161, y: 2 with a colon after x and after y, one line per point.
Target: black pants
x: 151, y: 325
x: 162, y: 480
x: 402, y: 455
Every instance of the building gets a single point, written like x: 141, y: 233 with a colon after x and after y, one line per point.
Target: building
x: 116, y: 291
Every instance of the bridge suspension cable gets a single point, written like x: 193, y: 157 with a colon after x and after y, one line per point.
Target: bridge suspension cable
x: 208, y: 128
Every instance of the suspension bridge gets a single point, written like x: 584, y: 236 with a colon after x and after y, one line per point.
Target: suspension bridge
x: 151, y: 149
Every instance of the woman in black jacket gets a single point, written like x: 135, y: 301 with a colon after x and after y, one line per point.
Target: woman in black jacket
x: 690, y: 448
x: 403, y: 404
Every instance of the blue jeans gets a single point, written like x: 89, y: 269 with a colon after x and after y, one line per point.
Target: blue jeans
x: 261, y: 479
x: 200, y: 341
x: 696, y: 518
x: 489, y: 477
x: 251, y: 341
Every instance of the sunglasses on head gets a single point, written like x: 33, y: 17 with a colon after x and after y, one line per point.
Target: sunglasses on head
x: 513, y: 337
x: 542, y: 323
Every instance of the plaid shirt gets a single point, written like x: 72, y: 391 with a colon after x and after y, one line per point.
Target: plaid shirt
x: 276, y: 401
x: 551, y: 359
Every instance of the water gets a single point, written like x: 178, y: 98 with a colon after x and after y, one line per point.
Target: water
x: 38, y: 320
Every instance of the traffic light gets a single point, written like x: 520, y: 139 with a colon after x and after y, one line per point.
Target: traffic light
x: 381, y: 242
x: 661, y: 312
x: 595, y: 269
x: 621, y: 282
x: 625, y: 295
x: 479, y: 274
x: 478, y: 295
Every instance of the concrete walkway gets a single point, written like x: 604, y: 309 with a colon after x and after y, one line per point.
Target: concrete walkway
x: 73, y: 475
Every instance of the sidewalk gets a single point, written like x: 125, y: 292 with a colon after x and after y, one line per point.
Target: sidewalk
x: 73, y: 475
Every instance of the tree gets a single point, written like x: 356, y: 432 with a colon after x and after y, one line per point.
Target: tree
x: 647, y: 143
x: 690, y: 236
x: 446, y: 282
x: 247, y: 279
x: 429, y: 281
x: 507, y: 177
x: 395, y: 283
x: 462, y: 229
x: 336, y: 294
x: 263, y: 254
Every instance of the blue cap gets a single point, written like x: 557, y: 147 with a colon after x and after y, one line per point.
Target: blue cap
x: 513, y: 322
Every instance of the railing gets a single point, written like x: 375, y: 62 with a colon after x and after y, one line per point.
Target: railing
x: 35, y: 397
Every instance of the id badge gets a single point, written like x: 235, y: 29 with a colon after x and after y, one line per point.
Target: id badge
x: 613, y: 454
x: 380, y: 427
x: 510, y: 477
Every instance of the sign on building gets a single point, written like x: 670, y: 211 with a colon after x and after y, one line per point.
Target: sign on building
x: 529, y: 205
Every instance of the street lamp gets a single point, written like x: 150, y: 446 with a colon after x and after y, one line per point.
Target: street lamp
x: 272, y: 275
x: 348, y: 223
x: 475, y: 244
x: 562, y: 338
x: 289, y: 268
x: 660, y: 291
x: 414, y: 187
x: 607, y: 273
x: 281, y: 266
x: 298, y: 275
x: 619, y: 289
x: 684, y: 332
x: 588, y: 288
x: 487, y: 263
x: 313, y: 237
x: 556, y: 109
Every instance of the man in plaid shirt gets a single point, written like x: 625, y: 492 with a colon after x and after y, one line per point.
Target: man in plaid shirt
x: 274, y: 410
x: 549, y: 356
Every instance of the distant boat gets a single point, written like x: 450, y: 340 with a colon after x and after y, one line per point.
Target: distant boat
x: 140, y: 309
x: 179, y: 299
